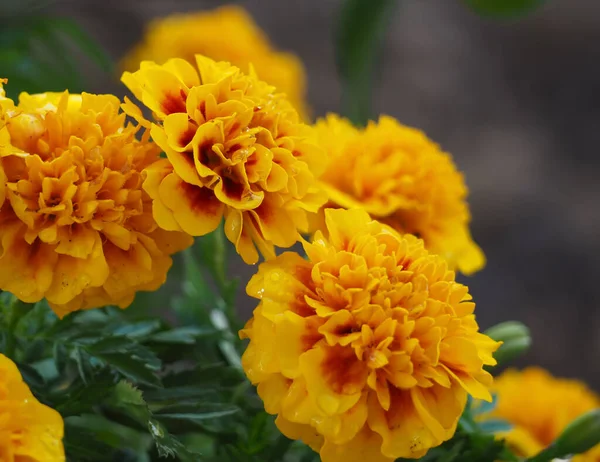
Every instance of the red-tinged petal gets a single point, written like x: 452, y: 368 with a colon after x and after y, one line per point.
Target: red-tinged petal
x: 195, y: 208
x: 334, y: 378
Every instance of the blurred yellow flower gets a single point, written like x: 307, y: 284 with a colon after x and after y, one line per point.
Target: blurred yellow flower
x: 403, y: 179
x: 540, y: 406
x: 228, y: 34
x: 29, y: 430
x: 75, y: 225
x: 235, y: 149
x: 367, y: 350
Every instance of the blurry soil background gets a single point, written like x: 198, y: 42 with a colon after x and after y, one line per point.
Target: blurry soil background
x: 518, y: 106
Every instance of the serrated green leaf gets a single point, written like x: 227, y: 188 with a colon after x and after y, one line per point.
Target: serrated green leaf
x: 130, y: 400
x: 112, y: 433
x: 176, y: 394
x: 139, y: 329
x: 132, y: 368
x: 196, y: 412
x: 110, y: 345
x: 504, y: 8
x: 184, y: 335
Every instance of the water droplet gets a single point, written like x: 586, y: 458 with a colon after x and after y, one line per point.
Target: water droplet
x: 156, y: 430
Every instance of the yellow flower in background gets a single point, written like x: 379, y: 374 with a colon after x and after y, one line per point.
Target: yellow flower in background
x: 540, y: 406
x: 29, y: 430
x: 76, y: 226
x: 225, y: 34
x: 367, y: 350
x: 235, y: 149
x: 403, y: 179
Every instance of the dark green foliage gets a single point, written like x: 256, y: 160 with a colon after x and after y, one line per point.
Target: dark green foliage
x: 359, y: 37
x: 504, y: 8
x: 40, y: 53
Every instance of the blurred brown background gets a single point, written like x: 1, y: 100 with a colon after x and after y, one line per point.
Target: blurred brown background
x: 518, y: 105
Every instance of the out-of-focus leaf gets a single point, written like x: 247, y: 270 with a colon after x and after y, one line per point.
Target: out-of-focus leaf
x: 31, y: 376
x: 504, y: 8
x: 84, y: 41
x: 184, y: 335
x: 515, y: 338
x: 494, y: 426
x: 43, y: 53
x: 360, y: 32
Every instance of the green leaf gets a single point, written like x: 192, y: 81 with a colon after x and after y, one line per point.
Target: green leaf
x: 504, y: 8
x: 131, y: 367
x: 359, y: 36
x: 196, y: 412
x: 130, y: 400
x: 184, y: 335
x: 494, y: 426
x: 139, y: 329
x: 111, y: 433
x: 31, y: 376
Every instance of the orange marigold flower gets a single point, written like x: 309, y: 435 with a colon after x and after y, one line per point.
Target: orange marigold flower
x: 76, y: 226
x: 540, y: 407
x: 367, y: 350
x: 403, y: 179
x: 234, y: 149
x: 29, y: 430
x: 228, y: 34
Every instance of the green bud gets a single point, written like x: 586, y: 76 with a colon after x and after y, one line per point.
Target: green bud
x: 515, y: 337
x: 580, y: 436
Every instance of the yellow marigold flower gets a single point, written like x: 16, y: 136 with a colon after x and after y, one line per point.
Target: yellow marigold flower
x: 367, y: 350
x: 76, y: 226
x: 403, y: 179
x: 234, y: 149
x: 228, y: 34
x: 540, y: 407
x: 29, y: 430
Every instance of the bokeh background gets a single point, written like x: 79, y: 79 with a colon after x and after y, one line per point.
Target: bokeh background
x: 517, y: 104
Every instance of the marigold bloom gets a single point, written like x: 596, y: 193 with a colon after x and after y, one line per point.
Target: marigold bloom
x: 234, y: 149
x: 29, y: 430
x: 75, y: 225
x: 367, y: 350
x: 540, y: 407
x: 228, y: 34
x: 403, y: 179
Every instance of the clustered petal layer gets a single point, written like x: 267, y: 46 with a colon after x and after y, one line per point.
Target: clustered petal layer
x: 228, y: 34
x: 29, y: 431
x: 367, y: 350
x: 75, y: 225
x: 235, y: 149
x: 540, y: 406
x: 403, y: 179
